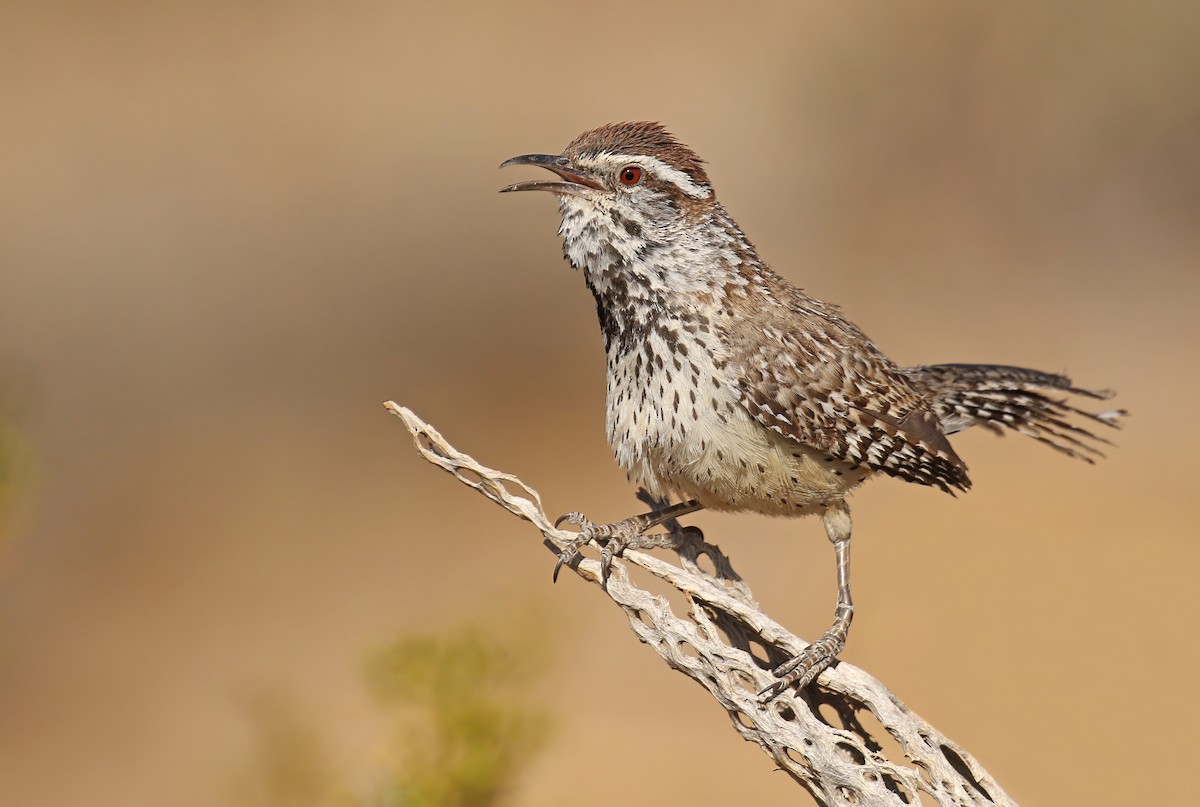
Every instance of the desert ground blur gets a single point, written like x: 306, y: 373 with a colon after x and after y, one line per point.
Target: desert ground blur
x: 229, y: 231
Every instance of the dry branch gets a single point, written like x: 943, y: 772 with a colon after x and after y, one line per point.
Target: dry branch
x: 830, y: 737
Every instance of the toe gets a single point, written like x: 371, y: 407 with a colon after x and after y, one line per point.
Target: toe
x: 562, y: 559
x: 578, y: 519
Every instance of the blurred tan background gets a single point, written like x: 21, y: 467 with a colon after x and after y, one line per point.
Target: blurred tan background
x: 229, y: 231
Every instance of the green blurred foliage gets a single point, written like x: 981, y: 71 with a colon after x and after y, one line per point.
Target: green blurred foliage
x: 290, y: 766
x: 465, y: 735
x: 462, y: 732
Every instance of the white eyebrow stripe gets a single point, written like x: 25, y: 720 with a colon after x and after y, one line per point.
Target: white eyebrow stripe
x: 673, y: 175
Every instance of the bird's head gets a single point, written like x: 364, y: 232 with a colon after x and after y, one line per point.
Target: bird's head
x: 633, y: 175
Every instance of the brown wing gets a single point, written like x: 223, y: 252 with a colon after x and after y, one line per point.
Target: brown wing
x: 817, y: 379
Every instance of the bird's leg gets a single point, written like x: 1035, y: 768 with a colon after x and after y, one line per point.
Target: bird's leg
x: 617, y: 537
x: 801, y: 670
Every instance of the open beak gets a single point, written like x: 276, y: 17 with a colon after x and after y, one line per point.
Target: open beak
x: 574, y: 183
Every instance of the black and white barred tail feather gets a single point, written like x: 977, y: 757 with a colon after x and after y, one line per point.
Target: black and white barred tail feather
x: 1026, y: 401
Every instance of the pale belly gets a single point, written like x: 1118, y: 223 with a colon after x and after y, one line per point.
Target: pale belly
x: 686, y: 439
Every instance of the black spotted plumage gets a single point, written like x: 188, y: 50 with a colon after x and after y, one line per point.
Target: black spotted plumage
x: 797, y: 377
x: 731, y: 389
x: 1028, y: 402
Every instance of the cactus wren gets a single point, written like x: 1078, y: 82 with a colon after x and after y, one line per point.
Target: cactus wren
x: 733, y: 390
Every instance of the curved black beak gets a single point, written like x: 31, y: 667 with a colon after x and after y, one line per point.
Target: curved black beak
x: 575, y: 184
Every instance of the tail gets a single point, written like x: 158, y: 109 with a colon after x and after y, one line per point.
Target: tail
x: 1026, y: 401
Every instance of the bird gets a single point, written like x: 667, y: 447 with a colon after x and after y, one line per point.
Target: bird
x: 731, y: 389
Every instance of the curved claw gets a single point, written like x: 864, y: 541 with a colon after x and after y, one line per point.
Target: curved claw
x: 789, y: 681
x: 569, y: 553
x: 770, y: 693
x: 562, y: 559
x: 614, y: 538
x: 802, y: 670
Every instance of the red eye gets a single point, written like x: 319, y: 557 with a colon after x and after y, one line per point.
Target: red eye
x: 631, y: 175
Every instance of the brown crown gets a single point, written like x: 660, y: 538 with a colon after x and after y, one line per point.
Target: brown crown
x: 640, y: 137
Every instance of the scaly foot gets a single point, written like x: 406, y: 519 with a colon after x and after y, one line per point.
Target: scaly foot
x: 802, y: 670
x: 614, y: 539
